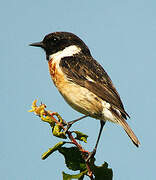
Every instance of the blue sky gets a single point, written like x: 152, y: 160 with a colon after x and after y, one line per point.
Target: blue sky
x: 122, y: 37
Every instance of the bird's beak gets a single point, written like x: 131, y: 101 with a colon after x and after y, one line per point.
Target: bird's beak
x: 37, y: 44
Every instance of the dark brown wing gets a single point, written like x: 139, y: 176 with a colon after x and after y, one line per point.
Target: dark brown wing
x: 88, y: 73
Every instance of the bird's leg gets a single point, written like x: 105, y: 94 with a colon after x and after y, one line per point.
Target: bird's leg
x: 92, y: 154
x: 69, y: 124
x: 72, y: 122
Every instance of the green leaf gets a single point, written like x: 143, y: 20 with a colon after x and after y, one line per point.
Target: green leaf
x: 73, y: 158
x: 53, y: 149
x: 102, y: 172
x: 76, y: 176
x: 57, y: 131
x: 81, y: 136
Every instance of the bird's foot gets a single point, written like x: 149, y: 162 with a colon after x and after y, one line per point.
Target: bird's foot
x: 91, y: 155
x: 69, y: 124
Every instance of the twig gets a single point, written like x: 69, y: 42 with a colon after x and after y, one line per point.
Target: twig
x: 46, y: 115
x: 83, y: 151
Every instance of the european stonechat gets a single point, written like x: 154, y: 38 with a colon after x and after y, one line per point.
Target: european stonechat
x: 82, y: 81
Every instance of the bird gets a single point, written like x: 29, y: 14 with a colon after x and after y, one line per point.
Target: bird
x: 83, y: 82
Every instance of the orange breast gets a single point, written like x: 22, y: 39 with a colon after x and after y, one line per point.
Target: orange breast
x: 52, y: 68
x: 56, y: 74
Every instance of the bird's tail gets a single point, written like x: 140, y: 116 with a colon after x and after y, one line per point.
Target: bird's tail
x: 129, y: 131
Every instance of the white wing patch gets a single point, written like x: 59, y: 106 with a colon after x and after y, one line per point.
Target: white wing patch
x: 89, y: 79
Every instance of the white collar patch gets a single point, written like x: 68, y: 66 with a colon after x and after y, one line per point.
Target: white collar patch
x: 68, y: 51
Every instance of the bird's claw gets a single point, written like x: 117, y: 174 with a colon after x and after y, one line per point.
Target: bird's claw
x: 68, y: 126
x: 91, y: 155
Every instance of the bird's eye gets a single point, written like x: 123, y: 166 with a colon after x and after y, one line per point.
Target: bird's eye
x: 52, y: 41
x: 55, y: 39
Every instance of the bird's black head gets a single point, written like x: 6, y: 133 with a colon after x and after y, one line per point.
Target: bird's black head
x: 57, y: 41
